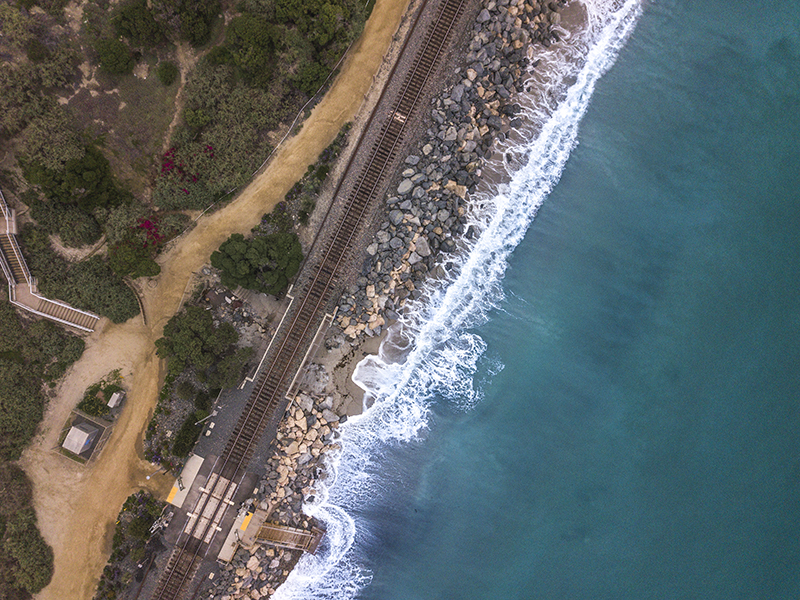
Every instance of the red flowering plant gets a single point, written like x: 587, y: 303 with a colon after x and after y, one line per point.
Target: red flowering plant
x: 148, y: 232
x: 184, y: 177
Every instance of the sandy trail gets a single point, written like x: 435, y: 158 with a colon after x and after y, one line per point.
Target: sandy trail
x: 77, y: 505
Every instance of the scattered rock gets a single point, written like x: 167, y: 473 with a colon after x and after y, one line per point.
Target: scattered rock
x: 405, y: 186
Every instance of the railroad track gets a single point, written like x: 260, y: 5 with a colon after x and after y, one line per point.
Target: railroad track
x: 314, y: 295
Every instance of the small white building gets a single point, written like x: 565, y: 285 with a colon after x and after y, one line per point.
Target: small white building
x: 116, y: 399
x: 80, y: 438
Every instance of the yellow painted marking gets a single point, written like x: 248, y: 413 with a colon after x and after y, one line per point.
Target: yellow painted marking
x: 172, y: 493
x: 246, y: 521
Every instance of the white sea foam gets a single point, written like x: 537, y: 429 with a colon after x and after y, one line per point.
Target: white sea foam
x: 432, y: 350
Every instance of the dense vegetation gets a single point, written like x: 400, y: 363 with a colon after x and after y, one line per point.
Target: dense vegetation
x: 96, y: 397
x: 129, y: 546
x: 90, y: 284
x: 26, y: 561
x: 40, y: 351
x: 192, y: 341
x: 258, y: 71
x: 263, y: 263
x: 29, y: 355
x: 199, y: 351
x: 275, y: 55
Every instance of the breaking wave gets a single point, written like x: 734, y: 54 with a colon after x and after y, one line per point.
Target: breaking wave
x: 432, y: 350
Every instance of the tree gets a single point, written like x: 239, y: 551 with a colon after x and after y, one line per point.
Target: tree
x: 191, y: 340
x: 188, y: 19
x: 226, y: 372
x: 310, y: 78
x: 135, y: 21
x: 86, y: 182
x: 115, y: 57
x: 167, y: 73
x: 263, y: 263
x: 252, y: 41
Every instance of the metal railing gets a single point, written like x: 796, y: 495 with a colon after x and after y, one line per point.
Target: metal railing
x: 32, y: 284
x: 13, y: 240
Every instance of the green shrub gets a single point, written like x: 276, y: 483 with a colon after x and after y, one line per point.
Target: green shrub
x: 92, y: 405
x: 185, y: 390
x: 89, y: 284
x: 187, y: 435
x: 203, y: 401
x: 114, y: 56
x: 75, y: 227
x: 33, y: 558
x: 262, y: 263
x: 135, y: 21
x: 96, y: 397
x: 36, y: 50
x: 130, y: 258
x: 28, y: 355
x: 252, y: 41
x: 131, y: 535
x: 167, y: 73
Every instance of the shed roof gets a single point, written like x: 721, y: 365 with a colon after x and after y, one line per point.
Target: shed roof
x: 79, y: 438
x: 115, y: 399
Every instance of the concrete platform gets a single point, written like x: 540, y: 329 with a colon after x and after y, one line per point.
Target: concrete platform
x: 183, y: 484
x: 194, y: 493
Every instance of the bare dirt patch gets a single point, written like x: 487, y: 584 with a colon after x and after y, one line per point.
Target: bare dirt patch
x: 77, y: 505
x: 76, y: 254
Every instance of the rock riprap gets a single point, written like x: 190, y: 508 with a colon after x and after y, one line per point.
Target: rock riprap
x: 426, y: 211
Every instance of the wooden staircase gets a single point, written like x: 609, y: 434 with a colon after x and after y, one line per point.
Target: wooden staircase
x: 66, y: 314
x: 7, y: 246
x: 22, y: 287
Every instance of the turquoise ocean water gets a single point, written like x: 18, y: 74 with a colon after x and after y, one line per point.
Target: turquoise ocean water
x: 620, y: 419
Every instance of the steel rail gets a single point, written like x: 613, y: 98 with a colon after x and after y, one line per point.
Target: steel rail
x: 184, y: 560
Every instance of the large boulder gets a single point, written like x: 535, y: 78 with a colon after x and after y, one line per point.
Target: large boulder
x: 422, y: 247
x: 405, y: 186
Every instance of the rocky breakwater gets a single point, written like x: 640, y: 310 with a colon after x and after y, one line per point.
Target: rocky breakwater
x: 425, y: 217
x: 305, y: 434
x: 426, y: 213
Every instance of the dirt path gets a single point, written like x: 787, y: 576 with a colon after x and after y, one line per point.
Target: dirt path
x: 77, y: 505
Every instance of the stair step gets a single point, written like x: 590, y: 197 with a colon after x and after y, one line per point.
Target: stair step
x: 46, y: 307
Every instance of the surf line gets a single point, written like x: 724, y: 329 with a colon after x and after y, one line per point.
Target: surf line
x: 439, y: 352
